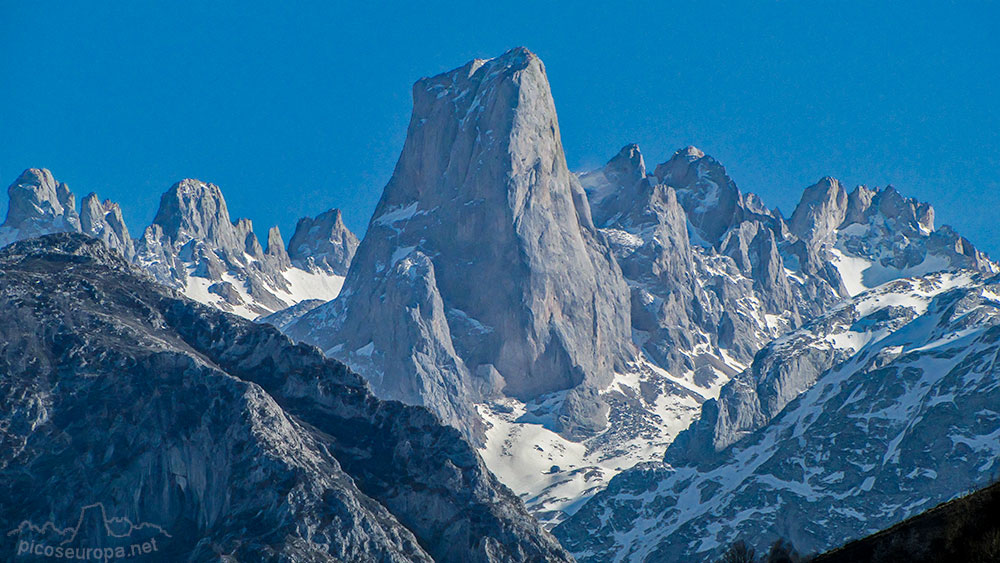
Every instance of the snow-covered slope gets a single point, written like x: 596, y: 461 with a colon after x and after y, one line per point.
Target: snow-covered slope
x: 555, y: 475
x: 906, y: 416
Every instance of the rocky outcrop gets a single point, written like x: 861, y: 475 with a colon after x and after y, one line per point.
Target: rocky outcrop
x: 38, y: 205
x: 217, y: 435
x: 708, y: 195
x: 700, y: 310
x: 275, y: 252
x: 820, y: 212
x: 323, y: 242
x: 104, y: 221
x: 719, y: 294
x: 897, y: 233
x: 192, y: 238
x: 483, y: 216
x: 796, y: 270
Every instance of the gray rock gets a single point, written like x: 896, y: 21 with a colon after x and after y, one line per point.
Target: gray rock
x: 192, y: 235
x: 275, y: 252
x: 192, y: 209
x: 711, y: 199
x: 482, y: 199
x: 38, y: 205
x: 323, y: 242
x: 820, y: 212
x: 691, y: 307
x: 879, y: 225
x: 104, y: 221
x: 897, y: 234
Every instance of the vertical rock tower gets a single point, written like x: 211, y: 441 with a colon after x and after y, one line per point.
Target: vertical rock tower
x: 482, y: 272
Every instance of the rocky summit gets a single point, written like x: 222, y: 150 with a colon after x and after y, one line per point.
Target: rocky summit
x: 212, y: 437
x: 482, y: 274
x: 323, y: 242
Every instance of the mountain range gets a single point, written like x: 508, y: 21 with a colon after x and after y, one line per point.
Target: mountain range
x: 193, y: 245
x: 655, y: 362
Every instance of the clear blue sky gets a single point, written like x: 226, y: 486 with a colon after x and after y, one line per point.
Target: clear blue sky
x: 296, y: 110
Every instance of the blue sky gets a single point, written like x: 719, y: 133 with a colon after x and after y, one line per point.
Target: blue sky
x: 293, y: 110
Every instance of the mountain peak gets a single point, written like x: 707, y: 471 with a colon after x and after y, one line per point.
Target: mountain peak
x: 628, y: 165
x: 516, y: 58
x: 705, y: 191
x: 820, y: 211
x: 323, y: 242
x: 36, y: 176
x: 195, y: 209
x: 38, y: 205
x: 483, y: 192
x: 690, y: 151
x: 276, y: 249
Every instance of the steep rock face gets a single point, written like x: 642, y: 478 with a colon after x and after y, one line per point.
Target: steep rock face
x: 820, y: 212
x: 38, y: 205
x: 699, y: 313
x: 906, y: 421
x: 709, y: 196
x: 323, y: 242
x: 275, y: 250
x: 103, y: 220
x: 534, y: 302
x: 217, y: 433
x: 698, y: 308
x: 196, y: 210
x: 615, y: 188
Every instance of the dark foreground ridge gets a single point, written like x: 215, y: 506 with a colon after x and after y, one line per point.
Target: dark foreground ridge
x: 963, y: 529
x: 131, y: 415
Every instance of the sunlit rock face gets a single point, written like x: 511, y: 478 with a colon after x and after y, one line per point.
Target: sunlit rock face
x: 193, y: 245
x: 323, y: 242
x: 482, y: 252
